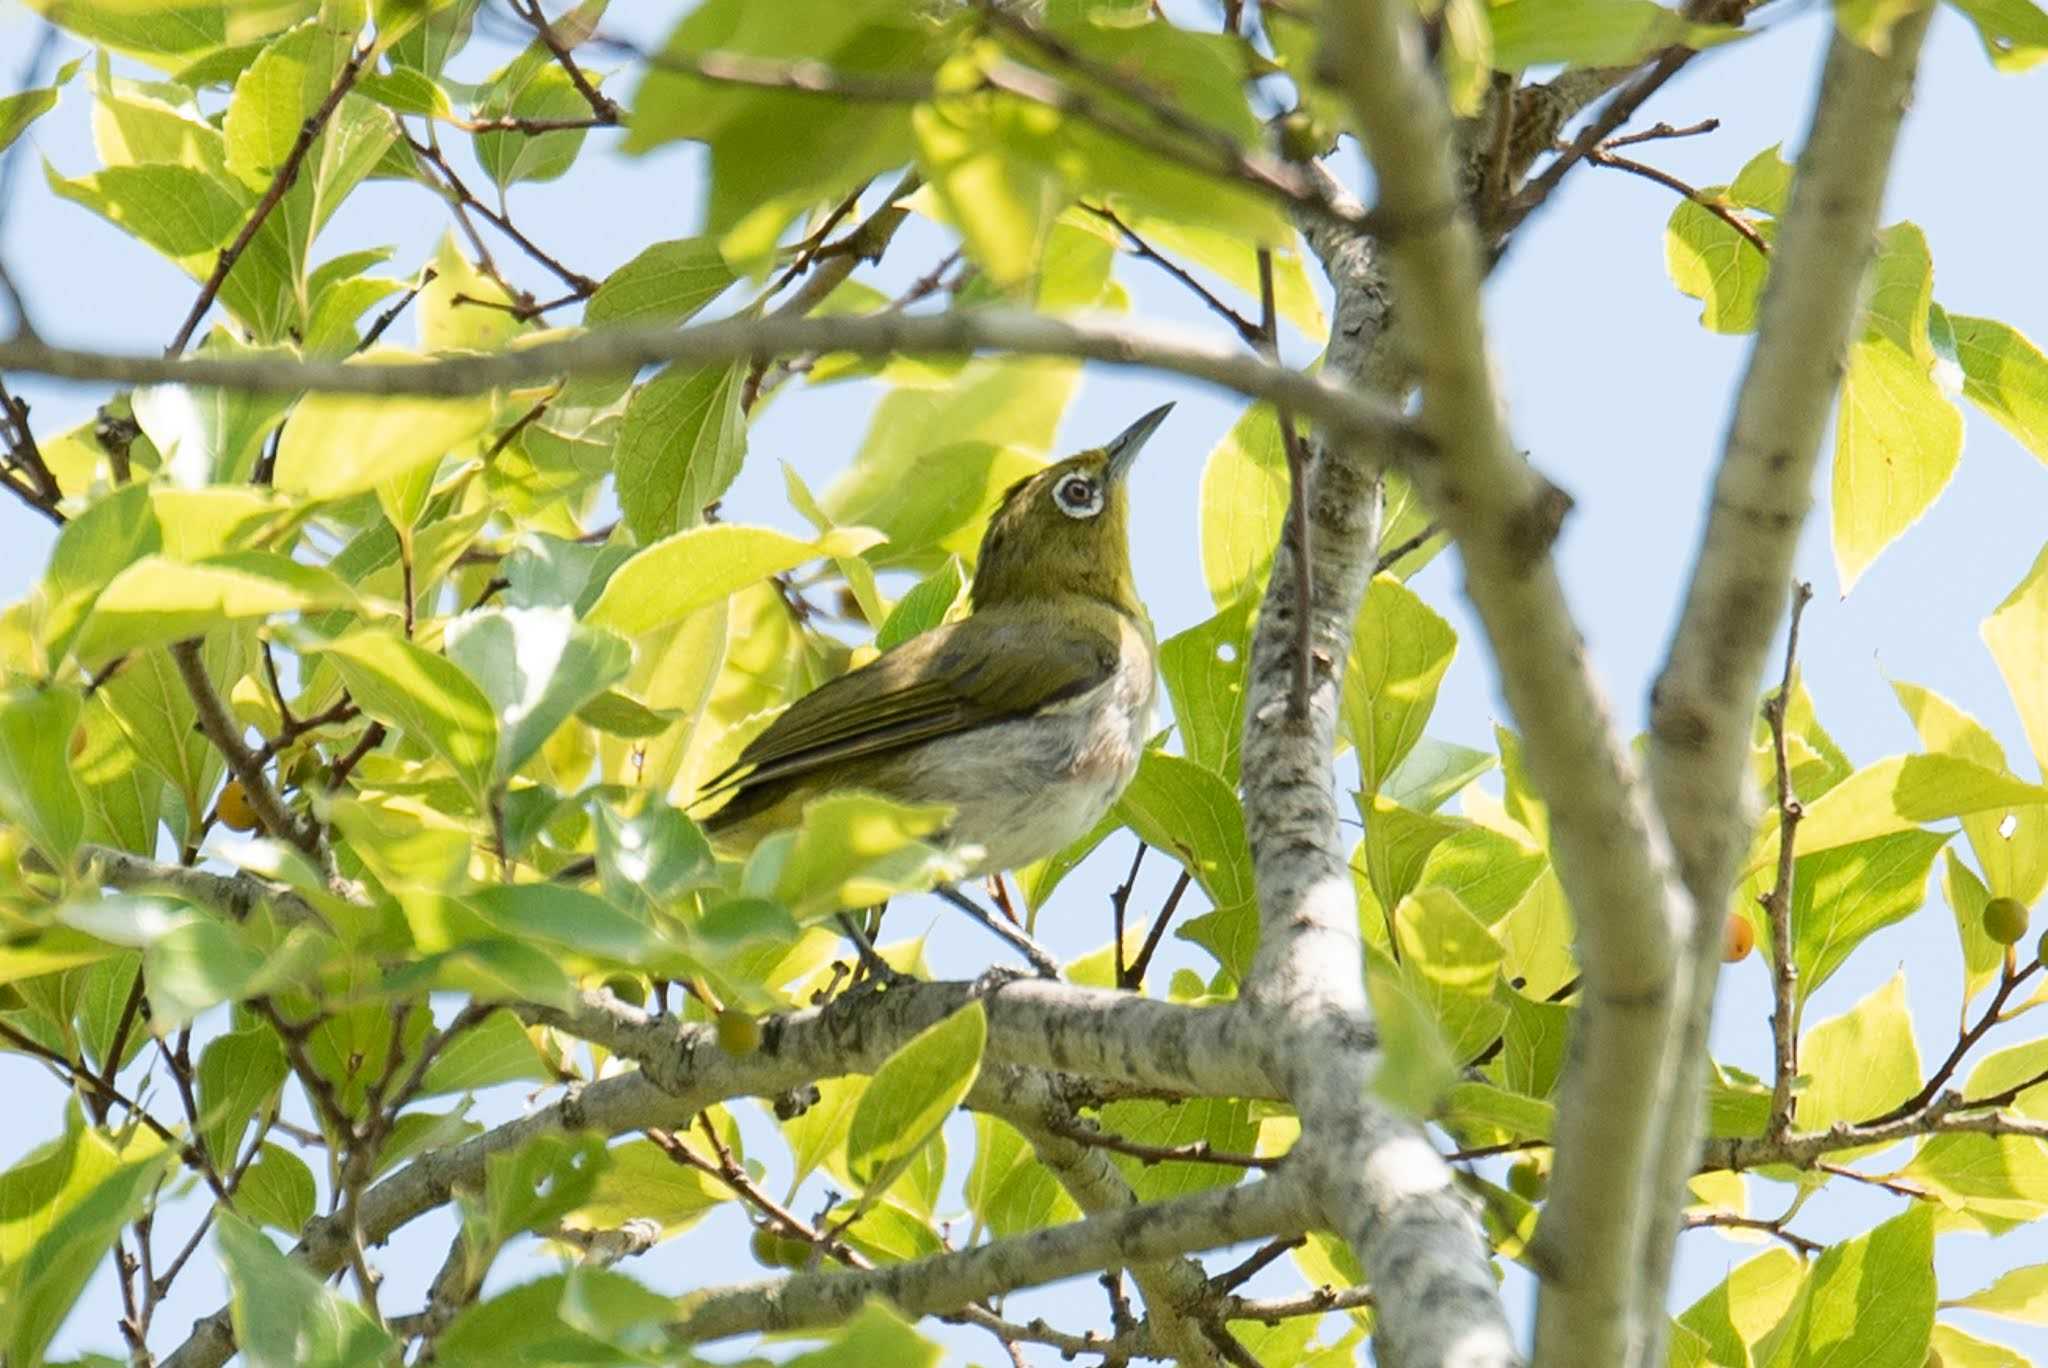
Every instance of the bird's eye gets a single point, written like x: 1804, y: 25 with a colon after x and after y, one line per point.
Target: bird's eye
x: 1078, y: 496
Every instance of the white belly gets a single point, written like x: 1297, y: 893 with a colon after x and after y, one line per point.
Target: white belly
x: 1023, y: 790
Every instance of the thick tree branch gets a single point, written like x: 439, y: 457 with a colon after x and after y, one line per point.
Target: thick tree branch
x: 1137, y: 1235
x: 1376, y: 1179
x: 613, y: 351
x: 1606, y: 844
x: 1701, y: 708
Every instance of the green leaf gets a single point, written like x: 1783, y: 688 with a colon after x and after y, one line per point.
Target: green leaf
x: 1451, y: 963
x: 336, y: 445
x: 179, y: 211
x: 281, y: 89
x: 1897, y: 436
x: 1433, y: 773
x: 424, y: 696
x: 1747, y: 1305
x: 1398, y: 657
x: 877, y: 1335
x: 284, y: 1316
x: 2004, y: 373
x: 495, y: 1050
x: 1530, y: 33
x: 681, y: 445
x: 851, y: 850
x: 927, y: 605
x: 18, y: 111
x: 1224, y: 1124
x: 1244, y: 503
x: 1868, y: 1302
x: 36, y: 788
x: 1716, y: 265
x: 1490, y: 872
x: 642, y: 1183
x: 210, y: 436
x: 1840, y: 896
x: 1983, y: 958
x: 1861, y: 1063
x: 646, y: 859
x: 935, y: 462
x: 773, y: 152
x: 676, y: 576
x: 2017, y: 634
x: 537, y: 666
x: 61, y: 1208
x: 1192, y: 814
x: 1961, y: 1350
x: 240, y: 1076
x: 94, y: 546
x: 572, y: 920
x: 407, y: 90
x: 149, y: 700
x: 1204, y: 670
x: 1419, y: 1065
x: 668, y: 282
x: 912, y: 1094
x: 277, y: 1190
x: 2019, y: 1294
x: 2014, y: 32
x: 158, y: 600
x: 529, y: 90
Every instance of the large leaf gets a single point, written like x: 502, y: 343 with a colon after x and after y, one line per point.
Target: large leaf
x: 423, y: 695
x: 1398, y: 656
x: 695, y: 568
x: 912, y: 1094
x: 1841, y: 896
x: 1244, y: 504
x: 681, y: 445
x: 1868, y: 1302
x: 2004, y: 373
x: 335, y: 444
x: 1861, y: 1063
x: 284, y: 1316
x: 61, y: 1208
x: 158, y: 600
x: 537, y: 666
x: 36, y: 787
x: 1530, y: 33
x: 1897, y: 436
x: 2018, y: 637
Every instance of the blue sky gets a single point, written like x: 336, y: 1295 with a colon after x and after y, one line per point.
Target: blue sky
x: 1613, y: 388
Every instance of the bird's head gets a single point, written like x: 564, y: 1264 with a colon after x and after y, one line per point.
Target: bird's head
x: 1065, y: 530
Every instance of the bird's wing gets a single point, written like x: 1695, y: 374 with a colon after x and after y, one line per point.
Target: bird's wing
x: 966, y: 674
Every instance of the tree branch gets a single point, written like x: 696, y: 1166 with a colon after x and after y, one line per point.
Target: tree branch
x: 1700, y: 709
x: 624, y: 350
x: 1376, y: 1179
x: 1138, y: 1235
x: 1605, y: 842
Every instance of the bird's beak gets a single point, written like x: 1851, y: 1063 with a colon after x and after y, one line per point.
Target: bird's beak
x: 1123, y: 449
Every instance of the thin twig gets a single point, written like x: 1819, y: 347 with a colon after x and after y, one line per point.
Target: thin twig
x: 1389, y: 559
x: 1145, y: 251
x: 2008, y: 984
x: 1714, y: 205
x: 1658, y: 131
x: 601, y: 105
x: 1159, y: 923
x: 1119, y: 900
x: 286, y: 175
x: 1194, y: 1152
x: 1723, y: 1220
x: 389, y: 316
x: 1777, y: 903
x: 224, y: 732
x: 582, y: 284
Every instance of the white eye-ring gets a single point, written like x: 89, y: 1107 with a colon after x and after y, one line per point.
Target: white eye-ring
x: 1078, y: 496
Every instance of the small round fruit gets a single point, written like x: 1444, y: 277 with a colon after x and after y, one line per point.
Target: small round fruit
x: 78, y: 741
x: 234, y: 810
x: 627, y: 988
x: 1300, y: 139
x: 1738, y: 938
x: 766, y: 1247
x: 1527, y: 1180
x: 739, y: 1033
x: 2005, y: 920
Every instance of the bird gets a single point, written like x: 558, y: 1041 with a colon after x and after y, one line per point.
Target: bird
x: 1027, y: 717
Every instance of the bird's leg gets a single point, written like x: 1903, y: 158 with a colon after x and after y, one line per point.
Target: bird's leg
x: 878, y: 969
x: 1045, y: 964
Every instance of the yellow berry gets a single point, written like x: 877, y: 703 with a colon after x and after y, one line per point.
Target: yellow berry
x: 233, y: 809
x: 1738, y: 938
x: 2005, y: 920
x: 739, y: 1033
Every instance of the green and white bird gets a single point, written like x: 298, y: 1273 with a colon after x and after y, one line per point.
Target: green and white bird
x: 1026, y: 717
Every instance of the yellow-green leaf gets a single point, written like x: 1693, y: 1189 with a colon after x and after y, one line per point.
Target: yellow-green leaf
x: 2017, y: 634
x: 912, y: 1094
x: 335, y: 445
x: 692, y: 569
